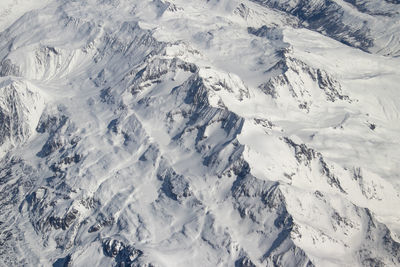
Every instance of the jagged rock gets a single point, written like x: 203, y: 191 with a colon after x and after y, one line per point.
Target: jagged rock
x: 302, y: 152
x: 266, y: 32
x: 244, y: 262
x: 124, y: 255
x: 332, y: 19
x: 242, y: 10
x: 106, y: 96
x: 295, y: 81
x: 64, y: 222
x: 175, y: 186
x: 7, y: 68
x: 306, y: 155
x: 19, y: 106
x: 102, y: 221
x: 164, y: 129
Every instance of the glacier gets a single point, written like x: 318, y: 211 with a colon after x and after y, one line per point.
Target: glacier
x: 203, y: 132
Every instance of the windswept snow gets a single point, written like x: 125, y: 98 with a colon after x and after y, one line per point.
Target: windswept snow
x: 209, y: 133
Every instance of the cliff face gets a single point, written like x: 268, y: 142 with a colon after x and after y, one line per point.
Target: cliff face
x: 210, y: 133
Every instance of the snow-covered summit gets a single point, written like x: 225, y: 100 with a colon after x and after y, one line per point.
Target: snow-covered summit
x: 209, y: 133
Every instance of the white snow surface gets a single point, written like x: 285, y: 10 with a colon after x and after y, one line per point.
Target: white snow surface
x: 202, y: 133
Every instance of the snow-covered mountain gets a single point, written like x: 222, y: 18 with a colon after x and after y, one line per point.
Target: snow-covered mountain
x: 203, y: 133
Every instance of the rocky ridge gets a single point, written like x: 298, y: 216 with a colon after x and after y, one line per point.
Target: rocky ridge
x: 124, y: 148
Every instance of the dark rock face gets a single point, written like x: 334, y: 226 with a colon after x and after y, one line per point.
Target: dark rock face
x: 244, y: 262
x: 125, y: 255
x: 101, y: 221
x: 305, y: 155
x: 272, y: 207
x: 51, y: 123
x: 159, y: 163
x: 330, y: 18
x: 63, y: 262
x: 388, y: 251
x: 325, y: 15
x: 7, y: 68
x: 373, y: 8
x: 174, y: 186
x: 267, y: 32
x: 57, y: 125
x: 286, y: 67
x: 64, y: 222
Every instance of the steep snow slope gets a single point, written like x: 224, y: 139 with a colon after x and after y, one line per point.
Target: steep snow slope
x: 10, y: 10
x: 210, y: 133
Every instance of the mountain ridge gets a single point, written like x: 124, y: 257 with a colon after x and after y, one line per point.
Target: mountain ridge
x: 210, y: 133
